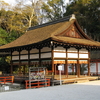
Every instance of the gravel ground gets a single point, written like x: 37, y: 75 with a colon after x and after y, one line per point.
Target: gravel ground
x: 79, y: 91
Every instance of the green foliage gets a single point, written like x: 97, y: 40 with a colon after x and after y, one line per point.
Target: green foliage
x: 3, y: 36
x: 4, y: 65
x: 13, y: 36
x: 16, y: 69
x: 53, y: 9
x: 83, y: 68
x: 6, y: 38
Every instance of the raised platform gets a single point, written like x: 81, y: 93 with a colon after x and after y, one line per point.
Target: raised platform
x: 75, y: 79
x: 65, y: 80
x: 79, y: 79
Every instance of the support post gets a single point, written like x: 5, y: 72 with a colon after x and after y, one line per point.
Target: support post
x: 28, y: 58
x: 97, y: 68
x: 89, y: 63
x: 19, y: 62
x: 88, y: 67
x: 55, y: 69
x: 40, y: 57
x: 11, y: 67
x: 78, y: 66
x: 60, y: 77
x: 52, y: 59
x: 66, y: 65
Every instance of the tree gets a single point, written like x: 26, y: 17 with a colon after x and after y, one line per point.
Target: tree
x: 88, y: 14
x: 4, y: 65
x: 4, y: 5
x: 11, y: 21
x: 53, y: 9
x: 17, y: 20
x: 28, y: 12
x: 3, y: 37
x: 94, y: 19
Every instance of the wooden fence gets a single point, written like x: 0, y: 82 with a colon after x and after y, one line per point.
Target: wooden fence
x: 37, y: 83
x: 6, y: 79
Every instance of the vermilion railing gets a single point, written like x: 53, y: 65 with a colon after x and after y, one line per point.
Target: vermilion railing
x: 7, y: 79
x: 37, y: 83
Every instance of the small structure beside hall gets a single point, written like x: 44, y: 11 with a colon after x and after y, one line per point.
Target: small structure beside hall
x: 37, y: 78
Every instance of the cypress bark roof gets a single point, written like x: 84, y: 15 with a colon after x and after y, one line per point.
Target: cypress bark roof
x: 56, y: 30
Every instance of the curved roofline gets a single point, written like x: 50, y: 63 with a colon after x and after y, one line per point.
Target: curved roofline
x: 50, y: 23
x: 80, y: 29
x: 43, y: 32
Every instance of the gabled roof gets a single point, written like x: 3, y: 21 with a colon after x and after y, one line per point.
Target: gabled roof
x: 60, y: 30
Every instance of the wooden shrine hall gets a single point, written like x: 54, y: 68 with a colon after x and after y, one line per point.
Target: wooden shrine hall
x: 50, y: 45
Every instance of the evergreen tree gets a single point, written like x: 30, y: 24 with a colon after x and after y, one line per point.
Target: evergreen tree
x: 88, y: 15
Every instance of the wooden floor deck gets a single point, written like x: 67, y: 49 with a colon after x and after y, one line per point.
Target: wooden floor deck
x: 79, y: 79
x: 64, y: 78
x: 75, y: 79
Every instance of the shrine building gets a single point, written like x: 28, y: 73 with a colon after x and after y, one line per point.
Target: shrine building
x: 61, y: 42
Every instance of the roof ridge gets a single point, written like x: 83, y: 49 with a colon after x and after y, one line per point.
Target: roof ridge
x: 50, y: 23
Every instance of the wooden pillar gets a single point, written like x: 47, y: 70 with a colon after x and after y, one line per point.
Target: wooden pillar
x: 66, y: 65
x: 52, y: 57
x: 88, y: 67
x: 78, y: 66
x: 52, y: 61
x: 28, y: 58
x: 97, y: 68
x: 24, y: 70
x: 88, y: 63
x: 39, y: 57
x: 11, y: 67
x: 19, y: 62
x: 54, y: 69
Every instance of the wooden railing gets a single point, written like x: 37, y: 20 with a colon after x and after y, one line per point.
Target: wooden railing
x: 6, y: 79
x: 37, y: 83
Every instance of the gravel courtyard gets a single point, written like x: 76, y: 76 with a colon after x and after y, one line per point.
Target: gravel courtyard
x: 78, y: 91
